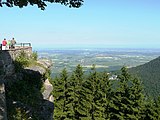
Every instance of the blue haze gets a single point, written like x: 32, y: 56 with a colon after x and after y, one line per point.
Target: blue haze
x: 97, y: 24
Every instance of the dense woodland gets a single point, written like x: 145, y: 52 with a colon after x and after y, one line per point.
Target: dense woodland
x: 95, y: 97
x: 149, y: 74
x: 91, y: 96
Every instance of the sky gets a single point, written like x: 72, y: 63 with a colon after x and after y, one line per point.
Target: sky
x: 98, y: 23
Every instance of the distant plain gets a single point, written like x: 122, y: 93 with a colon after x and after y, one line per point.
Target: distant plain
x: 110, y: 59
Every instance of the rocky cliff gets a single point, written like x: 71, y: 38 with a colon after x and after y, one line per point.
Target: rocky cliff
x: 25, y: 94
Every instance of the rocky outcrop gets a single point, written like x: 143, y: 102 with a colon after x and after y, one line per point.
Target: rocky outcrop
x: 47, y: 90
x: 8, y: 56
x: 39, y: 69
x: 7, y: 74
x: 8, y: 77
x: 46, y: 107
x: 44, y: 62
x: 3, y: 115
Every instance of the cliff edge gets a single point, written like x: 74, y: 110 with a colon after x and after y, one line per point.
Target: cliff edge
x: 25, y: 90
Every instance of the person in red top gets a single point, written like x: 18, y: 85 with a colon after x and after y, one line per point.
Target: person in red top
x: 4, y: 43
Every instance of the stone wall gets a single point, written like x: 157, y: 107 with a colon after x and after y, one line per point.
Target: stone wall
x: 7, y: 69
x: 7, y: 57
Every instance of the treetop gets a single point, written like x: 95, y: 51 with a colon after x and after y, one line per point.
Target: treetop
x: 40, y: 3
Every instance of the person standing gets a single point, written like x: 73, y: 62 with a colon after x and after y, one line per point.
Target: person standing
x: 9, y: 44
x: 4, y: 43
x: 13, y: 42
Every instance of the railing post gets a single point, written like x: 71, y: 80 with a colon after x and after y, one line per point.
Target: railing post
x: 23, y: 44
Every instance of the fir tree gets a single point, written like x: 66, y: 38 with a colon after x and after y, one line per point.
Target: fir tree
x: 120, y: 97
x: 158, y: 107
x: 128, y: 98
x: 136, y: 100
x: 93, y: 96
x: 151, y: 112
x: 76, y: 103
x: 79, y: 102
x: 60, y: 94
x: 105, y: 91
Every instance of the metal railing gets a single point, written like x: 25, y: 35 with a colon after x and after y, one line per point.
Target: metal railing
x: 23, y: 45
x: 19, y: 45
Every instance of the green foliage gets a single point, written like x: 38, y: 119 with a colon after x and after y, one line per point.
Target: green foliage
x: 60, y: 94
x: 83, y: 98
x: 19, y: 114
x: 158, y: 107
x: 23, y: 96
x: 127, y: 101
x: 93, y: 97
x: 21, y: 61
x: 149, y: 74
x: 41, y: 3
x: 106, y: 94
x: 75, y: 94
x: 47, y: 75
x: 151, y: 110
x: 93, y: 87
x: 34, y: 56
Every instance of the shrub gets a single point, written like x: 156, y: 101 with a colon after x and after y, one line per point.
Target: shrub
x: 21, y: 61
x: 34, y: 56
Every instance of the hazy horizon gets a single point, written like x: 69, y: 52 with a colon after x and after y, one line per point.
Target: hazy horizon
x: 35, y: 48
x: 93, y: 46
x: 117, y: 24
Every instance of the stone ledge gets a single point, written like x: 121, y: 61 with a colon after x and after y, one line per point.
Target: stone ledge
x: 46, y: 63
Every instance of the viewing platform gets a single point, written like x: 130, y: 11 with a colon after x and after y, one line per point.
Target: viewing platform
x: 18, y: 46
x: 12, y: 53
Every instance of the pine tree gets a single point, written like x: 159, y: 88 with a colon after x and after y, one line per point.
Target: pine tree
x: 105, y: 91
x: 128, y: 98
x: 93, y: 96
x: 136, y: 100
x: 120, y: 97
x: 158, y: 107
x: 76, y: 103
x: 151, y: 112
x: 60, y: 94
x: 79, y: 101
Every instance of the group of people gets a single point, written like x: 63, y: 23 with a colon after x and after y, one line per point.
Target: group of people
x: 8, y: 44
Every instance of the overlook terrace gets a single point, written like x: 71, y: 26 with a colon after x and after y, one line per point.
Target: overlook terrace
x: 18, y: 46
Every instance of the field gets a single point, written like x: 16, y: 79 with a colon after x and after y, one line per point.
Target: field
x: 104, y: 59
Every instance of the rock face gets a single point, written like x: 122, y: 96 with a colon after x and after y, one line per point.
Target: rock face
x: 46, y: 63
x: 47, y: 106
x: 3, y: 115
x: 39, y: 69
x: 6, y: 70
x: 8, y: 76
x: 48, y: 89
x: 8, y: 56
